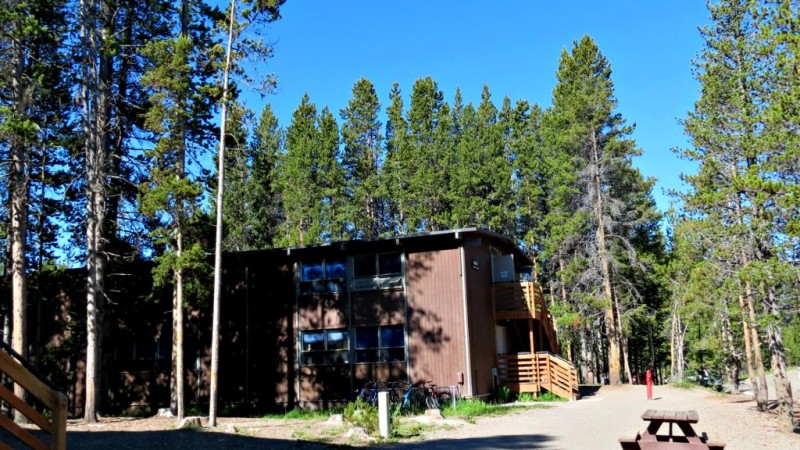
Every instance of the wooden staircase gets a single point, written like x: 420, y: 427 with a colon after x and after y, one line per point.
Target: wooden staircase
x: 538, y: 372
x: 21, y: 373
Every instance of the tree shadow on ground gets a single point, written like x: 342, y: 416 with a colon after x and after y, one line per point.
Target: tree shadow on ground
x: 494, y: 442
x: 199, y: 439
x: 586, y: 390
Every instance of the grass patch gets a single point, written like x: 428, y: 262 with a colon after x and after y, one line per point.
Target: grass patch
x: 472, y: 408
x: 302, y: 414
x: 408, y: 430
x: 527, y: 397
x: 683, y: 384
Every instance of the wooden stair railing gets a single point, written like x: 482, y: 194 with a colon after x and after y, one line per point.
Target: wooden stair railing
x: 543, y: 370
x: 16, y: 368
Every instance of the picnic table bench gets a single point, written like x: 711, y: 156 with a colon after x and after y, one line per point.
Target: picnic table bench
x: 649, y: 439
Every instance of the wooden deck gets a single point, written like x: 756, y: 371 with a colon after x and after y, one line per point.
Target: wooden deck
x: 524, y: 300
x: 537, y: 372
x: 55, y: 425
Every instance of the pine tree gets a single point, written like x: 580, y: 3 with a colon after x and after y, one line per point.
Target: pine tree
x: 179, y: 119
x: 30, y: 92
x: 588, y: 135
x: 253, y: 16
x: 482, y: 193
x: 429, y: 157
x: 237, y: 181
x: 394, y: 176
x: 265, y: 211
x: 361, y: 161
x: 313, y: 213
x: 743, y: 131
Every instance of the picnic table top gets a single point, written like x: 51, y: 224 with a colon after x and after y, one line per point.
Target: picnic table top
x: 660, y: 415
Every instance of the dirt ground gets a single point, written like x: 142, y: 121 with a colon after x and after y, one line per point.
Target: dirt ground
x: 594, y: 422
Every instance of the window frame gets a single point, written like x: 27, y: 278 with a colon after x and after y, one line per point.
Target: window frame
x: 326, y: 283
x: 327, y: 355
x: 377, y: 280
x: 382, y: 351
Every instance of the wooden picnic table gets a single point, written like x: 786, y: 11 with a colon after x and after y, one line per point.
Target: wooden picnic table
x: 649, y: 439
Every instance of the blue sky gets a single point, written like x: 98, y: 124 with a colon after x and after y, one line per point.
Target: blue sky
x: 323, y: 47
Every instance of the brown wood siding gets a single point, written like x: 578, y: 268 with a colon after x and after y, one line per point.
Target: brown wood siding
x: 481, y: 321
x: 324, y: 386
x: 317, y: 312
x: 436, y: 346
x: 378, y: 371
x: 378, y: 308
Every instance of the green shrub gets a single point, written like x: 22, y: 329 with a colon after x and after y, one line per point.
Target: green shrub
x: 683, y: 384
x: 361, y: 414
x: 503, y: 394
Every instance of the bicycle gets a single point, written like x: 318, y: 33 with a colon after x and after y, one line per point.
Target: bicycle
x: 410, y: 399
x: 369, y: 393
x: 435, y: 398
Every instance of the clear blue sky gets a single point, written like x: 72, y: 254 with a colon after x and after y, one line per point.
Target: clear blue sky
x: 323, y: 47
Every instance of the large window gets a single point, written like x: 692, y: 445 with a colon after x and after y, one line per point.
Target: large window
x: 380, y: 344
x: 377, y: 271
x: 318, y: 277
x: 320, y: 347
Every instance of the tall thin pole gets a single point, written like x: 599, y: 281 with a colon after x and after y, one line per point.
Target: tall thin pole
x: 212, y: 413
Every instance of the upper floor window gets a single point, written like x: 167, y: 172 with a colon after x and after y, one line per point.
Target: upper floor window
x: 322, y: 276
x: 380, y: 344
x: 377, y: 271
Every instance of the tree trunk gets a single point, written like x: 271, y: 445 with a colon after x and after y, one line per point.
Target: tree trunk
x: 762, y: 400
x: 748, y: 352
x: 177, y: 334
x: 212, y: 415
x: 731, y: 360
x: 614, y: 375
x: 19, y: 199
x: 95, y: 107
x: 783, y: 388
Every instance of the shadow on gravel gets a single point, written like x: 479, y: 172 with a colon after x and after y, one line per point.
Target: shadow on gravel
x: 587, y: 390
x: 493, y: 442
x: 198, y: 439
x: 177, y: 439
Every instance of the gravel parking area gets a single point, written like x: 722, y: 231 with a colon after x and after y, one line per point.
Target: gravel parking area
x: 594, y: 422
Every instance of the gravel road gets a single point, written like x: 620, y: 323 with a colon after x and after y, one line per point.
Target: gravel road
x: 597, y: 421
x: 594, y: 422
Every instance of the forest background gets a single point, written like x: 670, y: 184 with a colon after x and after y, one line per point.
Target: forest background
x: 108, y: 141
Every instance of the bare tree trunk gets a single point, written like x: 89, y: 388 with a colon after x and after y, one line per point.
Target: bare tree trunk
x: 95, y: 109
x: 759, y: 384
x: 177, y: 333
x: 783, y: 388
x: 623, y: 340
x: 731, y: 360
x: 212, y: 415
x: 602, y: 255
x: 18, y: 210
x: 748, y: 352
x: 762, y: 400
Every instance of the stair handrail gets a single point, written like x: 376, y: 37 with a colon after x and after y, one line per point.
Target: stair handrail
x: 23, y: 373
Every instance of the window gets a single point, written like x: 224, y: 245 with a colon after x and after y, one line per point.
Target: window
x: 322, y: 277
x: 380, y: 344
x: 377, y: 271
x: 320, y: 347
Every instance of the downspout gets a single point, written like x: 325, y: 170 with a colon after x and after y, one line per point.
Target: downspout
x: 466, y: 319
x: 298, y: 343
x: 403, y: 265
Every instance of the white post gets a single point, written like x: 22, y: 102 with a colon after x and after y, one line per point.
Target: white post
x: 383, y: 413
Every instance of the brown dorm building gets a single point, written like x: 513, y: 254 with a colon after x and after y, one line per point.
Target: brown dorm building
x: 308, y: 326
